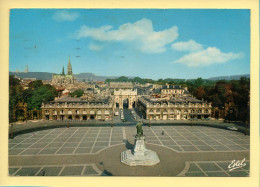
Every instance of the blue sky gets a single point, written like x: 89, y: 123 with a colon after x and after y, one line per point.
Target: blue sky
x: 149, y: 43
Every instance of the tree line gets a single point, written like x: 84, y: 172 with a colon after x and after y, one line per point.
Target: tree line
x: 34, y: 96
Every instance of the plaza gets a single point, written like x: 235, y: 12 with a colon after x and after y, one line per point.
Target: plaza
x: 95, y: 151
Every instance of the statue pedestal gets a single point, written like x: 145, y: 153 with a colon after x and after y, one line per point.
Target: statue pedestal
x: 139, y: 156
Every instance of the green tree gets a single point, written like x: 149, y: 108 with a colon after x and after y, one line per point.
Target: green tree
x: 77, y: 93
x: 35, y: 84
x: 13, y: 81
x: 40, y: 95
x: 15, y: 94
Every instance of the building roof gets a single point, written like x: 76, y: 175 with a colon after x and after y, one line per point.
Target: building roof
x: 80, y: 100
x: 177, y: 100
x: 68, y: 99
x: 172, y: 87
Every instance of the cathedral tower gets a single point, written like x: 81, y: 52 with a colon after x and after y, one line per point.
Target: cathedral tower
x: 63, y: 73
x: 69, y: 68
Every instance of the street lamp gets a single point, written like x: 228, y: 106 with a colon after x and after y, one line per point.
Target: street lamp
x: 112, y: 115
x: 12, y: 133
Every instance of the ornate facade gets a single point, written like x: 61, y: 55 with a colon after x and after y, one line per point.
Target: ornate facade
x: 77, y: 109
x: 64, y: 79
x: 122, y: 95
x: 173, y: 109
x: 121, y: 85
x: 174, y: 91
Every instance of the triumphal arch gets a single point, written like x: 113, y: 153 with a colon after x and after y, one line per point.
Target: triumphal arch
x: 125, y: 97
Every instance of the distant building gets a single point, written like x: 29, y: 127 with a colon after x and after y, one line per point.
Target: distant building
x: 174, y: 91
x: 64, y: 79
x: 26, y: 69
x: 69, y: 108
x: 176, y: 108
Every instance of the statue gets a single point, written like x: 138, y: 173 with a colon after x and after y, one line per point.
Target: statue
x: 139, y: 129
x: 139, y: 156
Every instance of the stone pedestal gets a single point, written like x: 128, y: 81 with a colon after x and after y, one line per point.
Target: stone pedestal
x: 139, y: 156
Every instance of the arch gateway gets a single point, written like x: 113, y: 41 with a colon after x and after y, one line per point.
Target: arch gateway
x: 122, y: 95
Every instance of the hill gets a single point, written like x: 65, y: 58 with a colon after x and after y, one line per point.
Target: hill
x: 232, y: 77
x: 48, y: 76
x: 37, y: 75
x: 92, y: 76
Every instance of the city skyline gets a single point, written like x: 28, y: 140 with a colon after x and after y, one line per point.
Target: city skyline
x: 146, y: 43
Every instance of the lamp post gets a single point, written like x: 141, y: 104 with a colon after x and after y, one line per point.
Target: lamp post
x: 112, y: 115
x: 246, y: 131
x: 12, y: 133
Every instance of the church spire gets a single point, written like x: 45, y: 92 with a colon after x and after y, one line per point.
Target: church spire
x: 63, y: 73
x: 69, y: 69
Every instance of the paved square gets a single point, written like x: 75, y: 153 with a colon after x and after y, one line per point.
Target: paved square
x: 215, y: 169
x: 81, y: 141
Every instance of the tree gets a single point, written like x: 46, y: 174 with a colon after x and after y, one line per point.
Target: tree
x: 40, y: 95
x: 77, y: 93
x: 200, y: 93
x: 13, y: 81
x: 35, y: 84
x: 15, y: 94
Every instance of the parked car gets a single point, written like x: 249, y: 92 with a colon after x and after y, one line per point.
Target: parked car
x: 232, y: 128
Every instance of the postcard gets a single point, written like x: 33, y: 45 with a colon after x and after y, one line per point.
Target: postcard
x: 99, y: 93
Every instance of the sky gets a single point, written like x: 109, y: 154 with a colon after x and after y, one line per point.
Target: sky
x: 149, y: 43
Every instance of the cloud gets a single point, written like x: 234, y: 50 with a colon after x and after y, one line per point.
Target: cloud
x: 140, y: 34
x: 211, y: 55
x: 190, y: 45
x: 65, y: 15
x: 95, y: 47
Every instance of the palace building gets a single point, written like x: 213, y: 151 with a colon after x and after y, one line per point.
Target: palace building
x: 176, y: 108
x: 174, y: 91
x: 70, y: 108
x: 64, y: 79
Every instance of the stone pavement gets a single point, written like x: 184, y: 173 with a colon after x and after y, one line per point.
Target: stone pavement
x: 96, y: 151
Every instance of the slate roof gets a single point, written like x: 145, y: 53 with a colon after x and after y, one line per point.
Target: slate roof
x: 172, y: 87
